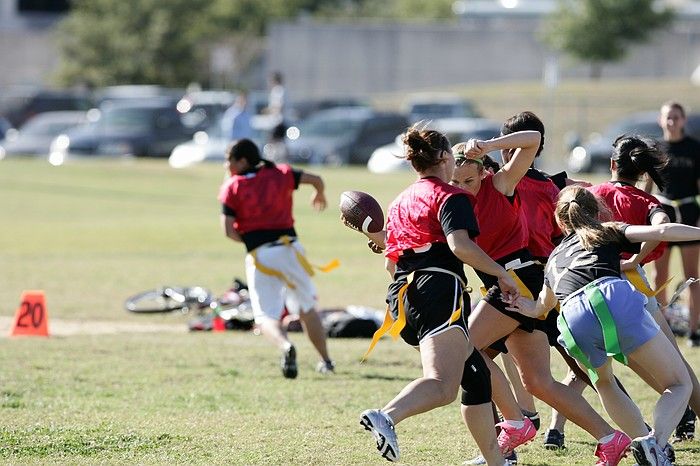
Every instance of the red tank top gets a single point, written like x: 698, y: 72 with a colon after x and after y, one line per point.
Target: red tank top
x: 502, y: 225
x: 539, y: 199
x: 630, y: 205
x: 261, y: 200
x: 413, y: 219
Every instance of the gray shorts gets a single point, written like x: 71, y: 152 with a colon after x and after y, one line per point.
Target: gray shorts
x: 634, y: 324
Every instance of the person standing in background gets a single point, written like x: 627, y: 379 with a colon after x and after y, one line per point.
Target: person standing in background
x: 235, y: 123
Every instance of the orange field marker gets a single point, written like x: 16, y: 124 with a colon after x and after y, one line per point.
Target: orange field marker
x: 31, y: 317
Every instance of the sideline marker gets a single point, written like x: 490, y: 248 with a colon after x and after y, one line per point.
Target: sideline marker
x: 31, y: 318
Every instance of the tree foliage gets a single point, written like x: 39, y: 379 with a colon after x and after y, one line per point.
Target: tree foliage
x: 105, y: 42
x: 601, y: 31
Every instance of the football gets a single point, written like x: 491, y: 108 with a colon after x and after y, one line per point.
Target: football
x: 361, y: 212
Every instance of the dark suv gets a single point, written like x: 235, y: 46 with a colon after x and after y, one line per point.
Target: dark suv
x: 18, y: 105
x: 343, y: 135
x: 151, y: 128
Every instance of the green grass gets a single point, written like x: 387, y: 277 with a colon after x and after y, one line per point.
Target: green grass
x: 90, y: 234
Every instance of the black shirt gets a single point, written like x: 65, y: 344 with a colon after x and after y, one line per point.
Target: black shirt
x: 456, y: 214
x: 571, y: 267
x: 683, y: 170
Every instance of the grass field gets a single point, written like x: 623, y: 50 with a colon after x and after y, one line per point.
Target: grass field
x: 91, y: 234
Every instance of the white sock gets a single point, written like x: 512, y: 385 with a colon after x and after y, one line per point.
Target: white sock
x: 607, y: 438
x: 516, y: 424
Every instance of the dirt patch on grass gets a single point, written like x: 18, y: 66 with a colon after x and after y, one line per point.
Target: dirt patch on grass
x: 63, y: 327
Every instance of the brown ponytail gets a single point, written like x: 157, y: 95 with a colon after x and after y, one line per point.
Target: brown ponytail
x: 578, y: 210
x: 635, y: 155
x: 424, y: 147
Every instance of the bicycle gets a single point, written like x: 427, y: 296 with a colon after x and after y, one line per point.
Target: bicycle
x: 232, y: 306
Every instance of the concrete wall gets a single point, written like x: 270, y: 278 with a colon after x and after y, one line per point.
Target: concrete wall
x: 366, y: 58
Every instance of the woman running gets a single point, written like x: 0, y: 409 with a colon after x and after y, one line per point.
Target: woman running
x: 428, y: 238
x: 602, y: 315
x: 504, y: 237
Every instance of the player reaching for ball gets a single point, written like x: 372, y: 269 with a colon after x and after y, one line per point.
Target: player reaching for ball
x: 257, y: 211
x: 429, y: 234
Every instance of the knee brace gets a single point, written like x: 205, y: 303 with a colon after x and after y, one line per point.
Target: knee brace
x: 476, y: 381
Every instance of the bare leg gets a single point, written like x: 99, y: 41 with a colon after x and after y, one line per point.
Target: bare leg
x: 663, y: 361
x: 690, y: 256
x: 577, y: 385
x: 487, y: 325
x: 524, y: 399
x: 443, y: 359
x: 619, y: 406
x: 483, y: 432
x: 501, y: 393
x: 661, y: 267
x: 273, y: 331
x: 315, y: 331
x: 531, y: 354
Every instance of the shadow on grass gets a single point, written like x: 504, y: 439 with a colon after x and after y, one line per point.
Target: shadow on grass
x: 387, y: 377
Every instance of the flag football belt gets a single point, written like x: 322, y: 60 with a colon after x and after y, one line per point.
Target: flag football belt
x: 394, y: 327
x: 306, y: 265
x: 524, y: 291
x: 635, y: 278
x: 607, y: 324
x: 677, y: 203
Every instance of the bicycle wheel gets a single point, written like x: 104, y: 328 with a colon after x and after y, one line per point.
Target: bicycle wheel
x: 161, y: 300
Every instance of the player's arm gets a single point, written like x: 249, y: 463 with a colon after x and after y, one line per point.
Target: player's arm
x: 318, y: 198
x: 658, y: 218
x: 545, y: 301
x: 227, y: 226
x: 663, y: 232
x: 525, y: 145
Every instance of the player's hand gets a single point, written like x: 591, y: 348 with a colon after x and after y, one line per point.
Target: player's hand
x: 524, y: 306
x: 508, y: 287
x: 348, y: 224
x: 374, y: 247
x: 627, y: 264
x: 318, y: 201
x: 475, y: 149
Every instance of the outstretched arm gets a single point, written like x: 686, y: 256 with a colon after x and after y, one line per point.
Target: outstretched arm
x: 318, y: 199
x: 663, y: 232
x: 647, y: 247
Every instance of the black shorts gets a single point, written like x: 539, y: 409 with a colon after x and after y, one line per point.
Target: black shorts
x: 532, y: 277
x: 430, y: 301
x: 689, y: 215
x: 549, y: 327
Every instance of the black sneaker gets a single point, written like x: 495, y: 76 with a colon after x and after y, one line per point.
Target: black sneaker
x: 289, y: 363
x: 686, y: 428
x: 554, y: 440
x: 694, y: 339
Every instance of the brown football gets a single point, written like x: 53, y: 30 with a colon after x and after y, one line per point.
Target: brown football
x: 361, y: 211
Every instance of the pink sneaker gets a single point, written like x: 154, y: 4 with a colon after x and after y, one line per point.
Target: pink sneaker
x: 512, y: 437
x: 612, y: 452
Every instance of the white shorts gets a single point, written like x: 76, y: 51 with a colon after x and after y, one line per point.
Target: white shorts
x: 269, y: 294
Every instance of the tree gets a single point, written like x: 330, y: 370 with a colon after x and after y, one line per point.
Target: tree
x: 601, y: 31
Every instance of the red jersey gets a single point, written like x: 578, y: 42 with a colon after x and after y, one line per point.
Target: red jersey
x: 413, y: 218
x: 630, y: 205
x: 261, y: 200
x: 538, y: 195
x: 502, y: 224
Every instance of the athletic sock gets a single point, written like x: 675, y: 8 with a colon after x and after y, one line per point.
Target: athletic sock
x: 607, y: 438
x: 516, y: 424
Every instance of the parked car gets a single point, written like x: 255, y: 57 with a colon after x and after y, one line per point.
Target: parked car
x: 4, y: 127
x: 305, y: 108
x: 388, y: 159
x: 35, y: 136
x: 200, y: 109
x: 343, y: 135
x: 210, y: 145
x: 19, y: 104
x: 149, y: 128
x: 594, y: 155
x: 433, y: 106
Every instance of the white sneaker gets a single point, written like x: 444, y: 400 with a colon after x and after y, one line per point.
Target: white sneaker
x: 648, y: 453
x: 511, y: 460
x: 382, y: 428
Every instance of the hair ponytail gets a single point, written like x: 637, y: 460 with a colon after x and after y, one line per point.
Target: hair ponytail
x: 424, y: 147
x: 579, y: 211
x: 635, y: 155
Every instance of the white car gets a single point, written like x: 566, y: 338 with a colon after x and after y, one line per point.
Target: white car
x: 210, y: 145
x: 389, y: 158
